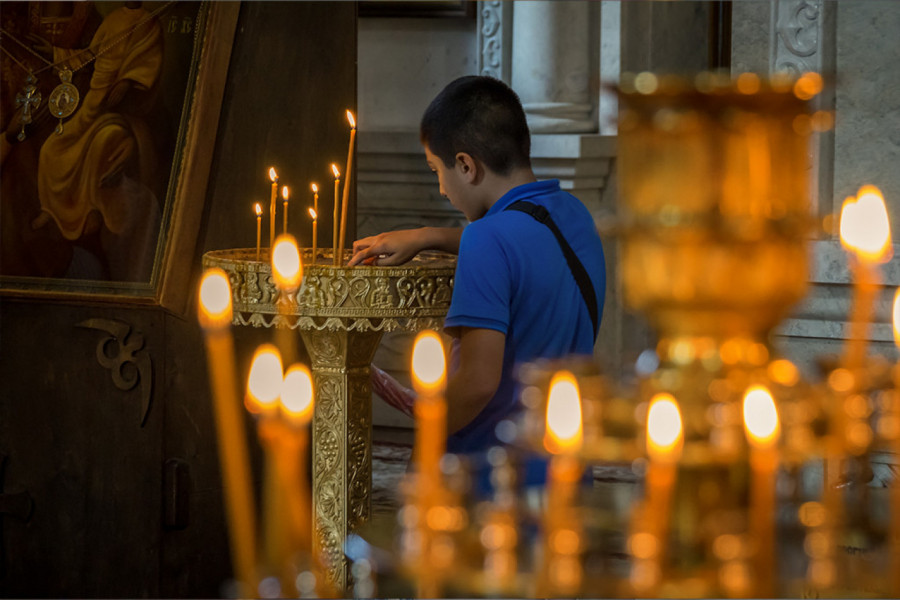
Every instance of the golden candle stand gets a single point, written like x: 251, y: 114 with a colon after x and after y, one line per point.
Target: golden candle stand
x: 341, y: 313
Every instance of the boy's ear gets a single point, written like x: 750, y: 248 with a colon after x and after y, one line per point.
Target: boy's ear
x: 467, y: 166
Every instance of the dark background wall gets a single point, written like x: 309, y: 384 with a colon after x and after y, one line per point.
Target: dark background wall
x: 121, y: 508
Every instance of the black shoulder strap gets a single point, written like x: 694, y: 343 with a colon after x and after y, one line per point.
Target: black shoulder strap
x: 542, y: 215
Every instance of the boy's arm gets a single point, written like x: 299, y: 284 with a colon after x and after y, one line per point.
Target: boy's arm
x: 477, y: 377
x: 398, y: 247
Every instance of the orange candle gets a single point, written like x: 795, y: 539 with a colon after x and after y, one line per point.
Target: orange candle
x: 315, y: 216
x: 258, y: 210
x: 866, y: 233
x: 335, y: 259
x: 561, y: 572
x: 665, y: 439
x: 894, y: 535
x: 215, y: 316
x: 297, y: 409
x: 273, y: 177
x: 762, y: 428
x: 348, y: 172
x: 285, y: 194
x: 429, y: 376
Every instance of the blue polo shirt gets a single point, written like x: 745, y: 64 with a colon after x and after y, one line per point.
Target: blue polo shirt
x: 512, y: 276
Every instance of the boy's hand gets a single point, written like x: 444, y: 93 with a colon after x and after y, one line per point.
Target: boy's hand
x: 392, y: 392
x: 388, y: 249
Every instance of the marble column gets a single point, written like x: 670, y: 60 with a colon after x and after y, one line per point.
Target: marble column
x: 551, y: 66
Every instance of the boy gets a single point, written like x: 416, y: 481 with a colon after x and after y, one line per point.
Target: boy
x: 516, y: 295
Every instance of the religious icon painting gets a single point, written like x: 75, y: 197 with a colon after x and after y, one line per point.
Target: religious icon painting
x: 100, y: 104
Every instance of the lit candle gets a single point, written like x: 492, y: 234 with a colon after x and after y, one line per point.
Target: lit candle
x: 664, y: 442
x: 866, y: 233
x: 285, y: 194
x: 263, y: 391
x: 215, y: 314
x: 429, y: 376
x: 561, y: 571
x: 315, y: 226
x: 894, y: 539
x: 273, y: 177
x: 297, y: 409
x: 348, y: 172
x: 315, y: 216
x: 287, y: 273
x: 258, y: 210
x: 762, y: 428
x: 335, y: 260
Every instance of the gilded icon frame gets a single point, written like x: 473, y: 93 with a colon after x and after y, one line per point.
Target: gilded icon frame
x: 182, y: 211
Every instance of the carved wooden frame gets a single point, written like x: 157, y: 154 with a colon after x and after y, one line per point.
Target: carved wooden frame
x: 169, y: 283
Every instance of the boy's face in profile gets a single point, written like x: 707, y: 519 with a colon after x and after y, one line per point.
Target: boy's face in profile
x: 455, y: 186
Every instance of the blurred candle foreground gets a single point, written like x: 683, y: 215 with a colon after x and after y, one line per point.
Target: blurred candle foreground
x: 215, y: 314
x: 273, y: 177
x: 263, y: 390
x: 894, y: 534
x: 762, y: 428
x: 561, y: 571
x: 866, y: 234
x: 665, y: 439
x: 429, y: 377
x: 297, y: 409
x: 348, y: 173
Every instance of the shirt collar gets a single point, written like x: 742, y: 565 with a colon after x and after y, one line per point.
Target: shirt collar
x: 521, y: 192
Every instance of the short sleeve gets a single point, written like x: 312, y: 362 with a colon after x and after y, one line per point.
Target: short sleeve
x: 482, y: 289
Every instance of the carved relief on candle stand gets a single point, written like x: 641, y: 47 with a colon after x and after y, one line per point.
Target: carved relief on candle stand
x: 341, y: 313
x: 127, y: 364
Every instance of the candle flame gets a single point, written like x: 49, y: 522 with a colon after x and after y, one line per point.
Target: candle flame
x: 334, y: 169
x: 315, y: 188
x: 896, y: 319
x: 351, y: 119
x: 312, y: 213
x: 215, y: 299
x: 865, y: 228
x: 760, y: 416
x: 264, y: 381
x: 285, y: 192
x: 258, y: 208
x: 428, y: 364
x: 273, y: 174
x: 564, y: 426
x: 297, y: 394
x: 287, y: 270
x: 664, y: 430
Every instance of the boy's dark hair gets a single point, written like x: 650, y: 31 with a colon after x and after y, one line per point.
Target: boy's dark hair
x: 480, y: 116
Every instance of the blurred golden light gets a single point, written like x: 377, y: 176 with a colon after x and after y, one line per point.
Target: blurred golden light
x: 285, y: 192
x: 297, y: 394
x: 265, y: 379
x: 564, y: 419
x: 760, y: 416
x: 784, y: 372
x: 287, y: 270
x: 664, y: 429
x: 273, y: 174
x: 334, y: 170
x: 351, y: 120
x: 748, y: 83
x: 257, y: 208
x: 812, y: 514
x: 312, y: 213
x: 215, y: 299
x: 429, y: 369
x: 808, y: 85
x: 865, y: 228
x: 315, y: 188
